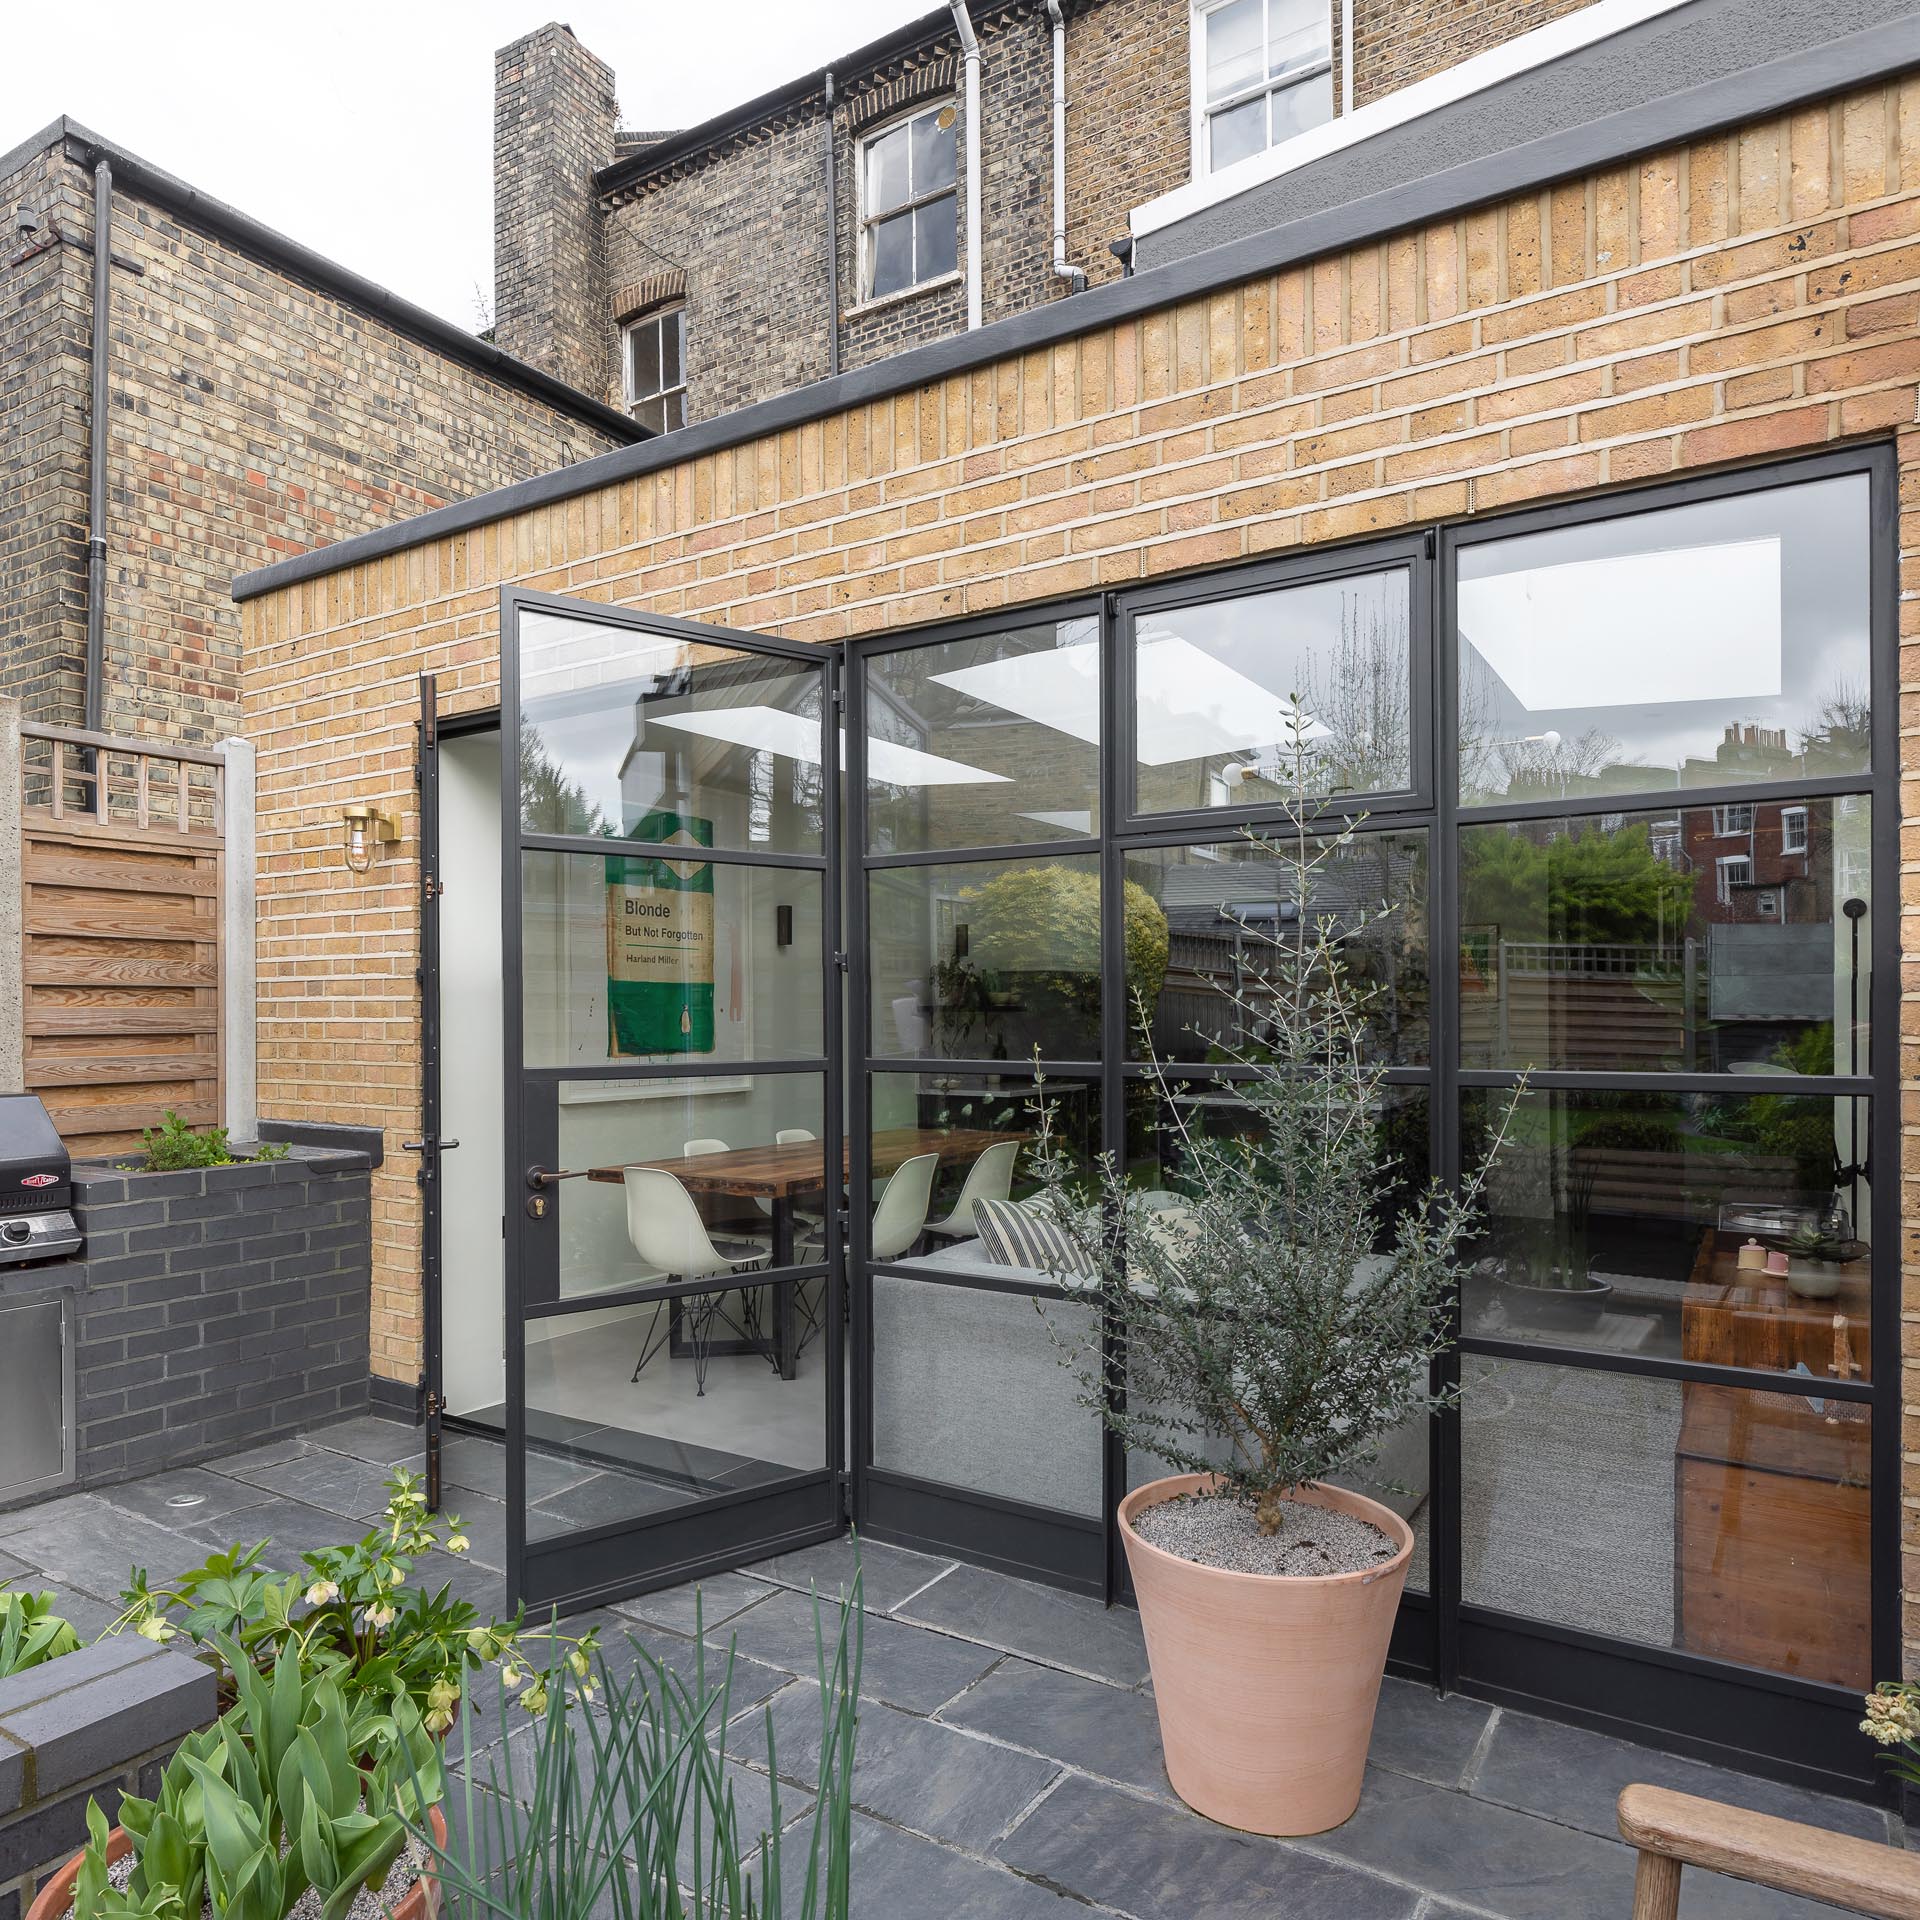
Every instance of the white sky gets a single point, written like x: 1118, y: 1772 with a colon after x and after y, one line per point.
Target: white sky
x: 365, y: 131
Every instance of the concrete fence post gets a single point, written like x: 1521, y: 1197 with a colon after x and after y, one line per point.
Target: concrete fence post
x: 237, y: 1006
x: 13, y: 988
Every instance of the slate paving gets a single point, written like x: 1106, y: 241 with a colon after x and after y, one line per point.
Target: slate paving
x: 1008, y: 1764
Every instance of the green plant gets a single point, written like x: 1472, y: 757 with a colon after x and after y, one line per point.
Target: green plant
x: 1269, y: 1320
x: 354, y: 1609
x: 292, y: 1789
x: 628, y: 1811
x: 173, y: 1147
x: 1822, y: 1243
x: 31, y: 1633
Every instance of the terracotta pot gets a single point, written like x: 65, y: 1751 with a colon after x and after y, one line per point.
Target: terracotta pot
x: 1265, y: 1684
x: 421, y: 1901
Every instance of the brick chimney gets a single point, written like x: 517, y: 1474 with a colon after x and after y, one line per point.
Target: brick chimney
x: 554, y: 115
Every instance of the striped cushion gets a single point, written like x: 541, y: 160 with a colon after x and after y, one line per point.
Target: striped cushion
x: 1015, y: 1236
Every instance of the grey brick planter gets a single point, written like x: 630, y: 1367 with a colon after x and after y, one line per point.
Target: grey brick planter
x: 212, y: 1308
x: 93, y: 1724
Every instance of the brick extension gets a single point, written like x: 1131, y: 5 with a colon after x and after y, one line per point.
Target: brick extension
x: 1752, y: 294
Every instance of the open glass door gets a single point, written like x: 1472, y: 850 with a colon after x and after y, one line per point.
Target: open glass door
x: 674, y: 1159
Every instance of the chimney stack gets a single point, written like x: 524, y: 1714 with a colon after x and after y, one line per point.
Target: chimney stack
x: 554, y: 115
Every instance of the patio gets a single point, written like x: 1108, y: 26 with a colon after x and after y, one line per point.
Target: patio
x: 1008, y: 1760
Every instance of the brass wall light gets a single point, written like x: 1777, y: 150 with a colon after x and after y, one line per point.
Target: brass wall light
x: 368, y: 829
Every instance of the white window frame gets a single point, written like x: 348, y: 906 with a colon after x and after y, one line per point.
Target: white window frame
x: 868, y: 219
x: 1793, y: 829
x: 1200, y: 109
x: 652, y: 317
x: 1724, y: 880
x: 1733, y: 821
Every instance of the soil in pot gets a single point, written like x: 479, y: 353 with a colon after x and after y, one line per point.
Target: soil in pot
x: 401, y: 1878
x: 1218, y: 1530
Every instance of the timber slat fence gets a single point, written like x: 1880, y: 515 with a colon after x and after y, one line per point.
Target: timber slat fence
x: 121, y: 856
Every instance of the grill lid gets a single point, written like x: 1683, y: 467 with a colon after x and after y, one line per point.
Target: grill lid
x: 35, y: 1172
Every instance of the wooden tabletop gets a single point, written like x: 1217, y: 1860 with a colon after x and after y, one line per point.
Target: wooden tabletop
x: 800, y: 1166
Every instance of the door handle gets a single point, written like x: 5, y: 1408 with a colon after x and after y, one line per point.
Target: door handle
x: 420, y: 1146
x: 538, y: 1177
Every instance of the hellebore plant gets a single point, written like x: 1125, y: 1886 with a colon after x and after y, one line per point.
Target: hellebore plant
x: 353, y: 1610
x: 31, y: 1633
x: 1278, y: 1327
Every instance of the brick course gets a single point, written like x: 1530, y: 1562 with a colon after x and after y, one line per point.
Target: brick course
x: 1745, y: 296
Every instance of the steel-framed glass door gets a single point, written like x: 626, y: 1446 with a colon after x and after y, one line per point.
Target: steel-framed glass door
x: 674, y: 1154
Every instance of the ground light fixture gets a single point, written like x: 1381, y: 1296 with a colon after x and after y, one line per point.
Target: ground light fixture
x: 367, y: 829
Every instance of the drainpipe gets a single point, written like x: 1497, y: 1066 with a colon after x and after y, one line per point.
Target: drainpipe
x: 94, y: 701
x: 833, y: 241
x: 970, y: 53
x: 1063, y: 268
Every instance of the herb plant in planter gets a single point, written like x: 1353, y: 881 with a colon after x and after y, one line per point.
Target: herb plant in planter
x: 1267, y: 1339
x: 294, y: 1795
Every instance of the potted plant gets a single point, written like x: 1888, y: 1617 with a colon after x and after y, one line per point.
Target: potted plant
x: 293, y: 1790
x: 1817, y: 1260
x: 1550, y: 1284
x: 31, y: 1633
x: 1267, y: 1344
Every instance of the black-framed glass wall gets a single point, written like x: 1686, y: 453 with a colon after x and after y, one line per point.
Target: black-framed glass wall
x: 1624, y: 788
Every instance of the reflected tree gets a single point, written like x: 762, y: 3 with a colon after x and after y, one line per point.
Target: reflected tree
x: 549, y: 801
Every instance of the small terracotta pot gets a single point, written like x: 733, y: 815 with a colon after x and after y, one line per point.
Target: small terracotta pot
x: 1265, y: 1684
x: 421, y: 1901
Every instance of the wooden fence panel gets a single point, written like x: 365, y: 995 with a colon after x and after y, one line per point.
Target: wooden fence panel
x: 121, y: 932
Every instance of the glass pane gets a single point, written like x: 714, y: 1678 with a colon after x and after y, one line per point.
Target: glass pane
x: 1693, y: 647
x: 982, y: 1129
x: 936, y: 242
x: 985, y: 741
x: 1300, y: 35
x: 1160, y: 1121
x: 1731, y: 1523
x: 892, y: 243
x: 1237, y: 133
x: 1234, y: 50
x: 673, y: 410
x: 988, y: 960
x: 1226, y: 902
x: 652, y: 414
x: 968, y: 1391
x: 721, y: 1188
x: 1728, y: 1229
x: 673, y: 327
x: 655, y: 961
x: 646, y: 358
x: 933, y: 155
x: 1699, y: 939
x: 638, y: 736
x: 1302, y: 107
x: 1214, y: 686
x: 887, y: 179
x: 638, y: 1410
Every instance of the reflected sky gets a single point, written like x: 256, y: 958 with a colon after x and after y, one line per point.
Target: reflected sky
x: 1722, y: 641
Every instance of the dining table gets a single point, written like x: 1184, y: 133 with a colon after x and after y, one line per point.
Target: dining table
x: 786, y: 1172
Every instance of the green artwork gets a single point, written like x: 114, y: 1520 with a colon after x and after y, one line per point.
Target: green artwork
x: 660, y: 944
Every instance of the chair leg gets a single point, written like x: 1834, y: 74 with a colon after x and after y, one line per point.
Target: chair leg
x: 649, y: 1346
x: 1656, y: 1888
x: 700, y: 1315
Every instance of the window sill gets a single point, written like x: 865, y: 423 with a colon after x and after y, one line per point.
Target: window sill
x: 887, y: 300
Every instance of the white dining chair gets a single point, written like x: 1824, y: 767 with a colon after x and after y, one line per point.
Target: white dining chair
x: 793, y: 1136
x: 667, y: 1233
x: 901, y: 1217
x: 717, y: 1212
x: 989, y: 1178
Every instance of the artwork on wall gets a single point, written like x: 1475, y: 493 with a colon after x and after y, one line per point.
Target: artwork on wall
x: 660, y: 944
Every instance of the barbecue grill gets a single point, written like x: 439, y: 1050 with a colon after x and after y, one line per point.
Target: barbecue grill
x: 36, y: 1184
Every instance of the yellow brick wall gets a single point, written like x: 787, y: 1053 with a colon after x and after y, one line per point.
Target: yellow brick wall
x: 1749, y: 295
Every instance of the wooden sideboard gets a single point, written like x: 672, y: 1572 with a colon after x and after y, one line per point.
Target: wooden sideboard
x: 1772, y: 1550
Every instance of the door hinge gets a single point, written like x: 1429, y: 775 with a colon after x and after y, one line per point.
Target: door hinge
x: 1431, y: 543
x: 840, y: 698
x: 840, y: 961
x: 431, y: 887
